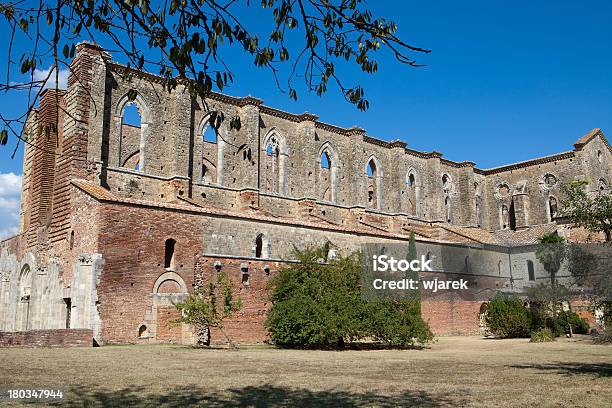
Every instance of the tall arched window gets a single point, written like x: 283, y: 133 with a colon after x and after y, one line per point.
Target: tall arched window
x: 23, y: 307
x: 326, y: 177
x: 374, y: 176
x: 412, y: 191
x: 272, y: 164
x: 552, y: 208
x: 512, y: 217
x: 505, y: 216
x: 328, y: 168
x: 211, y: 153
x: 132, y: 121
x: 275, y: 151
x: 131, y: 126
x: 447, y: 189
x: 169, y: 254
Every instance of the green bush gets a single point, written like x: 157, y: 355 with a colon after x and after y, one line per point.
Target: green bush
x: 542, y: 336
x: 320, y: 305
x: 508, y: 317
x: 579, y: 325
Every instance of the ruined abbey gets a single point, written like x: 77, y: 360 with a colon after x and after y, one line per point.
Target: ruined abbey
x: 119, y: 220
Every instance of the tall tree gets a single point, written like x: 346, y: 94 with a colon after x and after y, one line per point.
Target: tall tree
x: 192, y: 38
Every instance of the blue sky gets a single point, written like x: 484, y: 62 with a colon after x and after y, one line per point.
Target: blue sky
x: 506, y: 81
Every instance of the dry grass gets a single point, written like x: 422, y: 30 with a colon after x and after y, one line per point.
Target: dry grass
x: 455, y: 371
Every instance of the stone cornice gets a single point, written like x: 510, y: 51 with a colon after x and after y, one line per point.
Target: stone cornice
x: 528, y: 163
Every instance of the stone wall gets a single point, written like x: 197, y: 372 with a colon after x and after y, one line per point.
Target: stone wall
x: 161, y: 206
x: 47, y: 338
x: 280, y: 154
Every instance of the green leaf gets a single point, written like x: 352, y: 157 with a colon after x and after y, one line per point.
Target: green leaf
x: 219, y: 81
x: 25, y: 65
x: 132, y: 94
x: 3, y: 137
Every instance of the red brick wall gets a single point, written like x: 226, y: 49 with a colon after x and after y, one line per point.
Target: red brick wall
x: 166, y: 331
x: 132, y: 241
x: 47, y: 338
x: 451, y: 316
x: 247, y: 325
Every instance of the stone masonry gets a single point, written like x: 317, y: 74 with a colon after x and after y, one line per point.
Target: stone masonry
x: 118, y: 219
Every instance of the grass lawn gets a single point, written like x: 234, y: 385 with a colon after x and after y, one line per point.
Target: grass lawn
x: 455, y: 371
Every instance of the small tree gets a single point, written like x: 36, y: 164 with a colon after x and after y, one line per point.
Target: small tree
x: 202, y: 310
x: 591, y: 211
x: 551, y: 254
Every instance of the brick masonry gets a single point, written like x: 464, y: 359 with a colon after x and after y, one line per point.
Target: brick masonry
x: 101, y: 201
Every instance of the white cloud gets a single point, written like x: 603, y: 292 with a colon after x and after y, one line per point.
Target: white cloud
x: 41, y: 75
x: 10, y: 192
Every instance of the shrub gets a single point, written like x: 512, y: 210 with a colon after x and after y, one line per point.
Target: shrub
x: 508, y: 317
x: 320, y: 305
x: 542, y: 336
x: 579, y: 325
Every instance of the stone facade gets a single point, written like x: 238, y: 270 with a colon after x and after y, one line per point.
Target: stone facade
x: 118, y: 220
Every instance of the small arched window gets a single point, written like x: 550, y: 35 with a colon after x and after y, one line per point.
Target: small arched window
x: 25, y: 283
x: 169, y: 254
x: 259, y: 246
x: 530, y: 271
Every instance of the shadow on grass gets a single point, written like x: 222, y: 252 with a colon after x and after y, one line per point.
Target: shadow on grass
x: 356, y: 347
x: 594, y: 369
x: 257, y: 396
